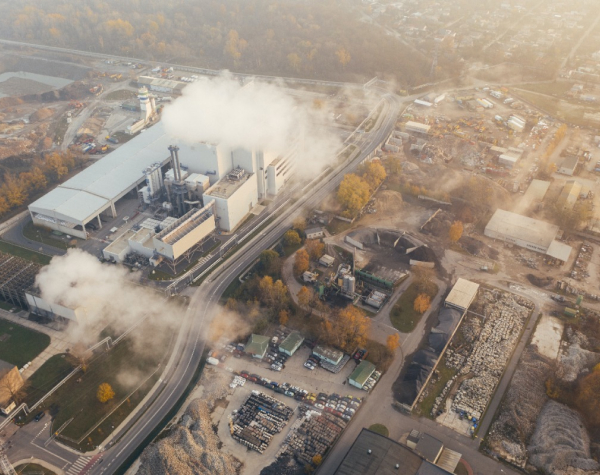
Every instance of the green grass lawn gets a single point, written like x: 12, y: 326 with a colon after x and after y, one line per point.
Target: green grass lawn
x: 435, y: 389
x: 338, y: 226
x: 48, y: 375
x: 403, y: 315
x: 24, y: 253
x: 123, y: 367
x: 33, y: 469
x: 380, y: 429
x: 6, y: 305
x: 44, y: 236
x: 22, y: 344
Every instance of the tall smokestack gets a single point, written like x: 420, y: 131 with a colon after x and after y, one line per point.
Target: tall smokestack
x: 172, y: 152
x: 176, y: 149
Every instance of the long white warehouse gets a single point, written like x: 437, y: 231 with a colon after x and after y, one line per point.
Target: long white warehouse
x: 97, y: 189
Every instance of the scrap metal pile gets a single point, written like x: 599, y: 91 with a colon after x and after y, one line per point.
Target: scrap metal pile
x: 258, y: 420
x: 505, y: 316
x: 314, y: 436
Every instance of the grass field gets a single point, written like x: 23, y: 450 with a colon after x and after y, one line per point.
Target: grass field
x: 129, y: 373
x: 557, y: 88
x: 380, y: 429
x: 435, y: 389
x: 120, y: 95
x: 22, y: 344
x: 44, y: 236
x: 338, y: 226
x: 403, y: 315
x: 562, y: 110
x: 48, y: 375
x: 18, y: 251
x: 33, y: 469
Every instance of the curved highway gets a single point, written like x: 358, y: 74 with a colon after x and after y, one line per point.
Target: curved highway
x: 202, y: 308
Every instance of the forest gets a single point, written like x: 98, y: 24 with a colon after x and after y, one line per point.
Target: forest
x: 322, y: 39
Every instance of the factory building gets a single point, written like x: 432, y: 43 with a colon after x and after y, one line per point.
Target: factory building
x: 167, y: 86
x: 137, y: 167
x: 526, y: 232
x: 44, y: 308
x: 233, y: 197
x: 462, y: 295
x: 569, y: 194
x: 568, y: 166
x: 417, y: 127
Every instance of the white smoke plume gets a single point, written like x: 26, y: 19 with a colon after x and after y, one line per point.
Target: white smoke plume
x: 257, y: 116
x: 103, y: 294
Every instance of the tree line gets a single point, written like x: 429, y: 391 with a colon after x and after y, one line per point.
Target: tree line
x: 318, y: 39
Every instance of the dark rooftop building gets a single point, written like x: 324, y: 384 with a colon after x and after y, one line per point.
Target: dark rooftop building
x: 375, y: 454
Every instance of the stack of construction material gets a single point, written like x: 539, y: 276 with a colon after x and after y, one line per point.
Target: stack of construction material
x: 192, y: 448
x: 315, y: 436
x: 258, y: 420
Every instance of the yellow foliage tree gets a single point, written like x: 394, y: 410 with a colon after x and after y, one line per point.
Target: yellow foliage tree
x: 317, y: 460
x: 347, y: 329
x: 284, y: 317
x: 374, y: 174
x: 422, y: 303
x: 315, y: 249
x: 343, y: 57
x: 353, y: 193
x: 455, y: 231
x: 13, y: 191
x: 393, y: 342
x: 301, y: 262
x: 303, y: 296
x: 105, y: 393
x: 299, y: 224
x: 291, y: 238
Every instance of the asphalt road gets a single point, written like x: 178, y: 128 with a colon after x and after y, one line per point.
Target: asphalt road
x: 190, y: 344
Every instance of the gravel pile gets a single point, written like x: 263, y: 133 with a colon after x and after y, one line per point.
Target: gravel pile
x: 560, y: 444
x: 192, y: 448
x: 524, y: 400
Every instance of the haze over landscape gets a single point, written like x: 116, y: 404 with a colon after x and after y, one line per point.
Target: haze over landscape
x: 285, y: 237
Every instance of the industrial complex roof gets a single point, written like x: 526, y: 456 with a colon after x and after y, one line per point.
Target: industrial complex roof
x: 257, y: 345
x: 521, y: 227
x: 569, y: 194
x: 226, y: 187
x: 160, y: 82
x: 375, y: 454
x: 559, y: 251
x: 462, y: 294
x: 291, y: 342
x: 92, y: 189
x: 535, y: 192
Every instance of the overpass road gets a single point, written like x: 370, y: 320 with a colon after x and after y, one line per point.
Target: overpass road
x: 190, y: 344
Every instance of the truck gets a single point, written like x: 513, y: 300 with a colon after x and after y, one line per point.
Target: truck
x: 570, y: 312
x: 112, y: 140
x: 88, y: 147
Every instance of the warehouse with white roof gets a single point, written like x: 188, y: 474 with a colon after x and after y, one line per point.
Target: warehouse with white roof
x: 97, y: 190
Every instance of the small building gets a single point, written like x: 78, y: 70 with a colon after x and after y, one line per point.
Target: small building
x: 417, y: 127
x: 559, y: 251
x: 359, y: 376
x: 257, y: 346
x: 326, y: 260
x: 462, y: 294
x: 508, y: 160
x: 329, y: 355
x: 10, y: 382
x: 291, y: 343
x: 314, y: 233
x: 168, y: 86
x: 429, y: 448
x: 309, y: 276
x: 376, y: 299
x: 568, y: 166
x: 569, y: 195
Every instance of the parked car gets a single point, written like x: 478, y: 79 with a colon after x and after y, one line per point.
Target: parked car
x: 39, y: 416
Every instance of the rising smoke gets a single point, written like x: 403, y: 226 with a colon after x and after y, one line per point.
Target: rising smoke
x: 258, y: 116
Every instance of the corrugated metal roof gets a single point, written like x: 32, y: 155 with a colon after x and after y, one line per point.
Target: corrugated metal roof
x: 292, y: 342
x: 462, y: 294
x: 362, y: 372
x: 559, y: 250
x: 521, y: 227
x: 92, y: 189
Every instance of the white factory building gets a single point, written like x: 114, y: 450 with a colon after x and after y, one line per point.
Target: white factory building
x: 136, y: 167
x: 529, y: 233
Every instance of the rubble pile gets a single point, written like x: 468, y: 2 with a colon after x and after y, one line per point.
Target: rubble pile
x: 582, y: 262
x: 439, y: 225
x: 505, y: 316
x: 524, y: 400
x: 314, y: 436
x: 440, y: 399
x: 258, y: 420
x: 560, y: 444
x: 539, y: 281
x: 191, y: 448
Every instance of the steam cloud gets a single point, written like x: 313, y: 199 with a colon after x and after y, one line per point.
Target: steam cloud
x: 258, y: 116
x: 105, y: 294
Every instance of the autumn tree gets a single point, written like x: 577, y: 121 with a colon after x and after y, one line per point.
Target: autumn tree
x: 294, y: 61
x: 291, y: 238
x: 301, y: 262
x: 13, y: 388
x: 374, y: 174
x: 347, y: 329
x: 423, y: 280
x: 394, y: 165
x: 422, y: 303
x: 284, y: 317
x: 588, y: 397
x: 317, y: 460
x: 455, y: 231
x: 13, y: 190
x: 105, y: 393
x: 269, y: 262
x: 343, y: 57
x: 393, y: 342
x: 315, y: 249
x: 303, y: 296
x: 353, y: 193
x: 299, y: 224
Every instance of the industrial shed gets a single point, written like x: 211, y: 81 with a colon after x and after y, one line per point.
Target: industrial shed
x: 359, y: 376
x: 257, y: 346
x: 523, y: 231
x: 329, y: 355
x: 462, y: 294
x: 291, y: 343
x: 417, y: 127
x: 168, y: 86
x: 568, y: 166
x: 569, y: 194
x: 375, y: 454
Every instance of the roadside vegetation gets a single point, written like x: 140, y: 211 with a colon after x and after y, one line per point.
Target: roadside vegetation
x: 414, y: 301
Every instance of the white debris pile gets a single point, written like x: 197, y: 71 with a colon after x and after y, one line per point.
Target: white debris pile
x: 191, y: 448
x: 510, y: 433
x: 575, y: 357
x: 560, y: 444
x: 237, y: 381
x: 505, y: 316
